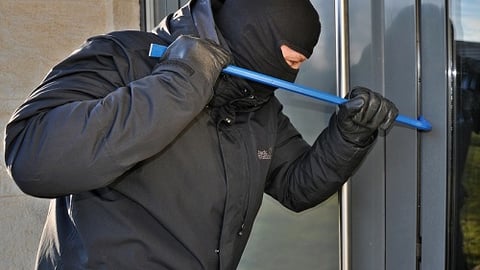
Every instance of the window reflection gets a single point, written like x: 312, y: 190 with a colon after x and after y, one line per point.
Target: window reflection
x: 465, y: 186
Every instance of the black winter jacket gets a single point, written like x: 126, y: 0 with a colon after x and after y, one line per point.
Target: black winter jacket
x: 143, y: 174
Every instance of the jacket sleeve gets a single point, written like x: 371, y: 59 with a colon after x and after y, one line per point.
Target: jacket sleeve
x: 302, y: 176
x: 89, y: 122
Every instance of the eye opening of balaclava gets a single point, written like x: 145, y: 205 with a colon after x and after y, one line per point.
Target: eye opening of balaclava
x: 255, y: 30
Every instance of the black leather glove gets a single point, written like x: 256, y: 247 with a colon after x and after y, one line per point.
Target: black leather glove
x: 365, y: 112
x: 198, y: 57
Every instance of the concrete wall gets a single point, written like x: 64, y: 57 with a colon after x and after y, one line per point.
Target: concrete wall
x: 34, y: 35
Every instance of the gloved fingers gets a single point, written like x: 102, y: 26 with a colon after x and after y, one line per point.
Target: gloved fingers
x: 202, y: 50
x: 390, y: 116
x: 352, y: 106
x: 377, y: 112
x: 195, y: 57
x: 222, y: 55
x: 356, y: 101
x: 369, y: 109
x: 382, y: 116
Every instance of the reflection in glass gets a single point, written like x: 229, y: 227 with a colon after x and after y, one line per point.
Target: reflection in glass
x: 465, y: 185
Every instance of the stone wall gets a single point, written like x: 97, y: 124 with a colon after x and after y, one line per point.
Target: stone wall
x: 34, y: 35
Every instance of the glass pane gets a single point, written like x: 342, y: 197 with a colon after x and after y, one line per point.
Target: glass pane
x: 281, y: 239
x: 465, y: 185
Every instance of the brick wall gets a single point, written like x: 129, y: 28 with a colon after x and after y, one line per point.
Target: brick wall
x: 34, y: 35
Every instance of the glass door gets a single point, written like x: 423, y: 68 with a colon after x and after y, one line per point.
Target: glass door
x: 464, y: 185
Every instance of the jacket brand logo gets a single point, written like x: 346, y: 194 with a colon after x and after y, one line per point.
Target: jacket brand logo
x: 264, y: 154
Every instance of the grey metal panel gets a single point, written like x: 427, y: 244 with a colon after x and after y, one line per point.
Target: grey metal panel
x: 434, y: 147
x: 385, y: 220
x: 384, y: 193
x: 401, y: 75
x: 368, y: 188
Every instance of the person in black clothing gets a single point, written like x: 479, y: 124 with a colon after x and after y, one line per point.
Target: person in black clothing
x: 162, y: 163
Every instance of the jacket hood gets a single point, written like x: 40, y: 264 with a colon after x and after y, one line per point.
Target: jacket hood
x: 194, y: 18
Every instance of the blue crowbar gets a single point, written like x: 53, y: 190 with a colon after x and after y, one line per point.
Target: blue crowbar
x: 421, y: 123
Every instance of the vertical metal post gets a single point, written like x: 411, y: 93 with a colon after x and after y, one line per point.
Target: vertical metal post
x: 149, y: 15
x: 418, y: 56
x: 343, y: 86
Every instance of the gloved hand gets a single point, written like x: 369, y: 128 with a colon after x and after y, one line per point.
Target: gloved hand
x: 199, y: 57
x: 365, y: 112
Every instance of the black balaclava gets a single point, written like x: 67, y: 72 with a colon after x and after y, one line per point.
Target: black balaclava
x: 255, y: 29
